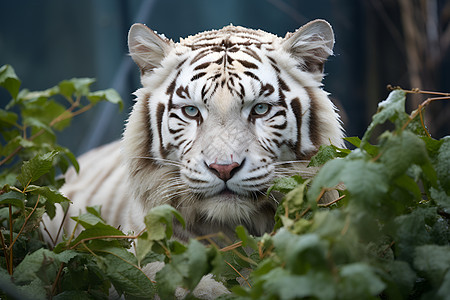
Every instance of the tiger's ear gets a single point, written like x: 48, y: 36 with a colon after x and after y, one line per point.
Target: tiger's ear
x: 146, y: 47
x: 311, y: 45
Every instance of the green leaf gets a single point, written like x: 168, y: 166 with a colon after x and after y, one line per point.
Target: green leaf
x: 143, y: 248
x: 247, y: 241
x: 75, y: 86
x: 41, y: 112
x: 159, y: 222
x: 359, y: 281
x: 441, y: 198
x: 14, y: 198
x: 286, y: 286
x: 388, y: 109
x: 444, y: 289
x: 433, y: 261
x: 197, y: 263
x: 169, y: 278
x: 286, y: 184
x: 443, y: 164
x: 365, y: 180
x: 400, y: 151
x: 33, y: 169
x: 9, y: 80
x: 51, y: 196
x: 402, y: 278
x: 72, y: 295
x: 109, y: 95
x: 120, y: 266
x: 89, y: 219
x: 98, y: 231
x: 34, y: 290
x: 42, y: 264
x: 326, y: 153
x: 8, y: 118
x: 411, y: 230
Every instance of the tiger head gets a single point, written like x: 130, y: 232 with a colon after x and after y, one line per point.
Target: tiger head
x: 221, y: 114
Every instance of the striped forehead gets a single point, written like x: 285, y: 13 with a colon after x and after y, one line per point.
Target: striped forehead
x: 238, y: 68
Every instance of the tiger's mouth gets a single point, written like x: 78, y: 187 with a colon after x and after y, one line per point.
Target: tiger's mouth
x: 227, y: 192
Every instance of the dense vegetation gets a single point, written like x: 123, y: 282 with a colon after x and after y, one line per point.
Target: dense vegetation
x: 386, y: 237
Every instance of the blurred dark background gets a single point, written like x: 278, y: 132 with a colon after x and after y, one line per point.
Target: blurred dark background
x: 378, y: 42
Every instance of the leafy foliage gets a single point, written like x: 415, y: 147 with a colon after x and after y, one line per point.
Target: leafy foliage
x: 386, y: 236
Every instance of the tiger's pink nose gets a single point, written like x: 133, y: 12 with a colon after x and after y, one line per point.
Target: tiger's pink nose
x: 224, y: 172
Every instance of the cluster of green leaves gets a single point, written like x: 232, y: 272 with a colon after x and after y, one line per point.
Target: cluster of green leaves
x: 30, y: 159
x: 387, y: 234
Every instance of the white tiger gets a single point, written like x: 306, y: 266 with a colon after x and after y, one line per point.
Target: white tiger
x: 220, y: 114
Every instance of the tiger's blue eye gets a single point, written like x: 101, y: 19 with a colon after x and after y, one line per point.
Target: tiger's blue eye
x: 191, y: 111
x: 261, y: 109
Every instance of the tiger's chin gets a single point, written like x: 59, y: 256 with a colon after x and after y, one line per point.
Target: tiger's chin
x: 228, y: 209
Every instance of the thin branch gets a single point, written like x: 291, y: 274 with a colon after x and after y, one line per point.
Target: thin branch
x: 2, y: 238
x: 104, y: 237
x: 421, y: 107
x: 248, y: 283
x: 61, y: 267
x: 25, y: 223
x: 67, y: 114
x: 231, y: 247
x: 61, y: 225
x: 10, y: 239
x: 332, y: 202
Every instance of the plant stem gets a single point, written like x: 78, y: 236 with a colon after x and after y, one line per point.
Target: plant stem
x: 238, y: 273
x: 61, y: 267
x: 67, y: 114
x: 25, y: 223
x: 5, y: 252
x: 10, y: 240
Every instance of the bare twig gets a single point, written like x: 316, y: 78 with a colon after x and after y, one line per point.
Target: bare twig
x: 2, y: 239
x: 332, y: 202
x: 25, y: 223
x: 10, y: 239
x: 248, y: 283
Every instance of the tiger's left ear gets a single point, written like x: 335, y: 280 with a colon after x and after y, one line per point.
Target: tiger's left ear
x: 146, y: 47
x: 311, y: 45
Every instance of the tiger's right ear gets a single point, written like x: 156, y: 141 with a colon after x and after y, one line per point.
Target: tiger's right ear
x: 146, y: 47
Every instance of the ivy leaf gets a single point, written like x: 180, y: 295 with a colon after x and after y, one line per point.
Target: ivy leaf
x: 109, y: 95
x: 9, y: 80
x: 33, y: 169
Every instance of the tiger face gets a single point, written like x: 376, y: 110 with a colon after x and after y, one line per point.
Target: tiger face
x: 224, y: 112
